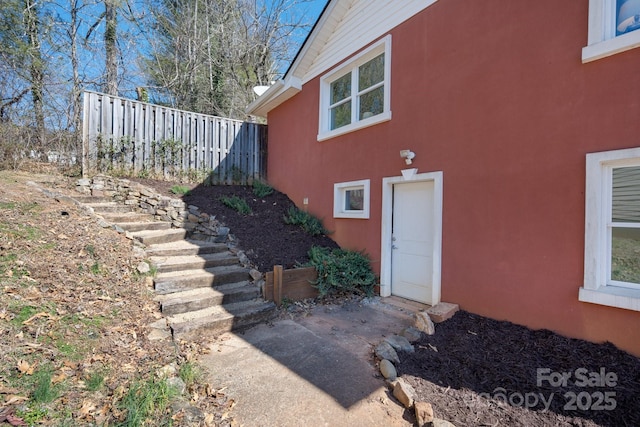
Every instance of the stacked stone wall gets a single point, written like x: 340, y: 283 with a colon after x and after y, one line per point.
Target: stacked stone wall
x: 142, y: 199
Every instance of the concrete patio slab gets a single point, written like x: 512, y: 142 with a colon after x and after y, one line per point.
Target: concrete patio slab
x: 313, y: 369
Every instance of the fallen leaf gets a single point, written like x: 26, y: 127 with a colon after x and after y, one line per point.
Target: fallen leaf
x: 7, y: 390
x: 36, y: 316
x: 15, y: 421
x: 87, y: 408
x: 58, y: 378
x: 14, y: 399
x: 25, y: 368
x: 209, y: 419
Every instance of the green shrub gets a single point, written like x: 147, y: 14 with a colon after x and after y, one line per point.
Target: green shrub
x: 261, y: 189
x: 308, y: 222
x: 341, y: 270
x: 236, y: 203
x: 181, y: 190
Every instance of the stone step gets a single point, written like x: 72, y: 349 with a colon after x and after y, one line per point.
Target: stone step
x: 176, y: 281
x: 142, y: 226
x: 154, y: 237
x: 109, y: 207
x: 92, y: 199
x: 193, y: 262
x: 198, y: 299
x: 218, y: 319
x: 185, y: 247
x: 119, y: 218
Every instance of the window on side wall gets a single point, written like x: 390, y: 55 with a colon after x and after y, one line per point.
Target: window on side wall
x: 356, y: 94
x: 613, y: 27
x: 351, y: 199
x: 612, y: 234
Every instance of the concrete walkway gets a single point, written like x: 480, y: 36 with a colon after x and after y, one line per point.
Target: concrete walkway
x: 312, y: 369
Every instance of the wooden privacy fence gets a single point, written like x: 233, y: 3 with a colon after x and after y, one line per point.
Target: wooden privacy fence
x: 294, y: 284
x: 149, y: 140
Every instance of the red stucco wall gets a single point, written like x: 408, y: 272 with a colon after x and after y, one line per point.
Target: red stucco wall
x: 493, y: 94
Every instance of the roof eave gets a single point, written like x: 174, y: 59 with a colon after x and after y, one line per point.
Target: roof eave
x: 277, y: 93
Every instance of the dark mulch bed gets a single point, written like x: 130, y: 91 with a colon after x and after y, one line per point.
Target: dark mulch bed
x: 471, y: 362
x: 475, y: 371
x: 266, y: 239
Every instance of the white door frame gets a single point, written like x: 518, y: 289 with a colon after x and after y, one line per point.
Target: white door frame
x: 387, y: 225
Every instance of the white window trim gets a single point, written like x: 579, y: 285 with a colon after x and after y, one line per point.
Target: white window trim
x: 596, y: 251
x: 382, y: 46
x: 339, y: 191
x: 602, y: 40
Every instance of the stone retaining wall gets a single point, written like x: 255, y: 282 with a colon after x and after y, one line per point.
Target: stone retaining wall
x: 142, y: 199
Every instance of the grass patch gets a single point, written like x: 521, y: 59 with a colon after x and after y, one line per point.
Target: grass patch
x: 95, y: 381
x: 308, y: 222
x: 21, y: 231
x: 44, y: 391
x: 145, y: 399
x: 32, y: 416
x: 189, y: 373
x: 23, y: 314
x: 181, y: 190
x: 7, y: 205
x: 261, y: 189
x: 236, y: 203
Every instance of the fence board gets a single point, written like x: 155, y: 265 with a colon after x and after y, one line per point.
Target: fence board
x: 125, y: 134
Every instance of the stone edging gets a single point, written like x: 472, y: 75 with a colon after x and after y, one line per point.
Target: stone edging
x: 387, y: 352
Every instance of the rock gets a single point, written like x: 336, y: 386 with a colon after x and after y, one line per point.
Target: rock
x: 423, y: 323
x: 187, y: 414
x: 143, y: 268
x: 177, y: 384
x: 385, y: 351
x: 388, y: 370
x: 102, y: 223
x: 400, y: 343
x: 424, y: 413
x: 255, y: 274
x: 84, y: 182
x: 411, y: 334
x: 223, y: 231
x: 167, y: 371
x: 442, y: 311
x: 158, y: 335
x: 441, y: 423
x: 404, y: 393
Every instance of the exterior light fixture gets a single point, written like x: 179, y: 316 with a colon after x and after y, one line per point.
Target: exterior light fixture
x: 407, y: 155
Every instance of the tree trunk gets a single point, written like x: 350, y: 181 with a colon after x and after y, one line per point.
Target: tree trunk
x: 111, y: 48
x: 36, y: 67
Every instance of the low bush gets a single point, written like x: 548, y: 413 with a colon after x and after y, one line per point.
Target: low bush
x: 308, y: 222
x: 341, y: 270
x: 181, y: 190
x: 236, y: 203
x: 261, y: 189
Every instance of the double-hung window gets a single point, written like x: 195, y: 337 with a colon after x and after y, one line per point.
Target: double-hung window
x: 614, y: 26
x: 612, y: 234
x: 356, y: 95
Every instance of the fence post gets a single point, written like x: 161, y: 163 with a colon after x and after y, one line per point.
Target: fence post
x: 277, y: 284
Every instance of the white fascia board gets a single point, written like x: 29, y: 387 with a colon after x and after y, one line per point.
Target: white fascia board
x: 277, y: 93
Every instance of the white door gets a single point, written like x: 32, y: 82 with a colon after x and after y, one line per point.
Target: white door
x: 413, y: 232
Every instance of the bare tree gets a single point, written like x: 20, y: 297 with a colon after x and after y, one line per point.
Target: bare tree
x: 208, y: 54
x: 36, y: 67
